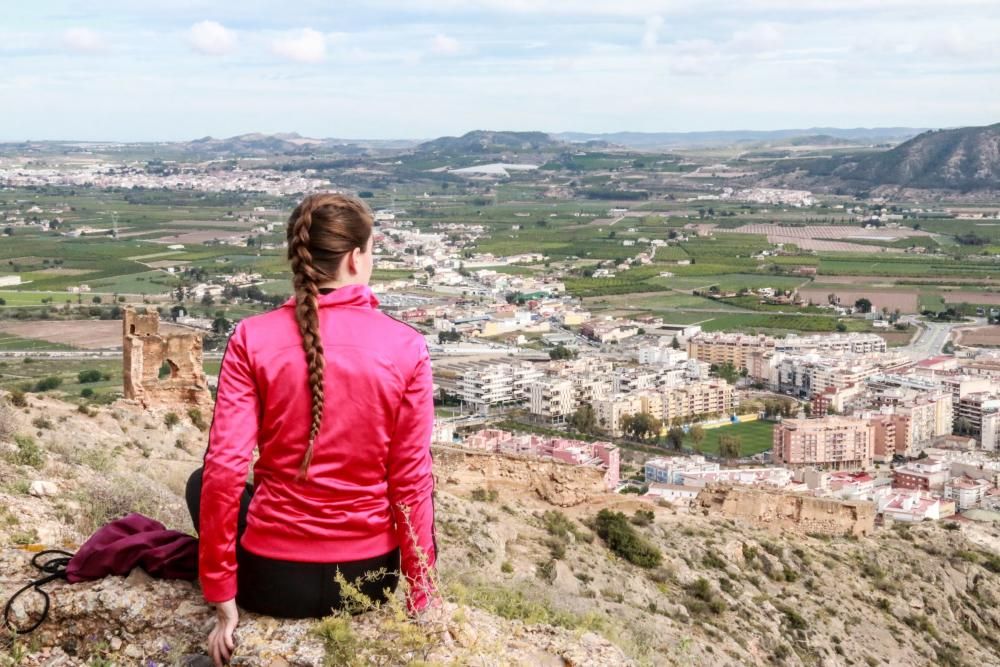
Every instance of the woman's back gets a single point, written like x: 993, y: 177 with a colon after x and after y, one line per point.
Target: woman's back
x: 342, y: 510
x: 365, y: 486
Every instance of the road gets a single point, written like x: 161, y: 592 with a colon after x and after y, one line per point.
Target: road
x: 932, y: 337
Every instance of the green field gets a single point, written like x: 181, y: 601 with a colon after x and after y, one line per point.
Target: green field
x: 756, y: 436
x: 11, y: 342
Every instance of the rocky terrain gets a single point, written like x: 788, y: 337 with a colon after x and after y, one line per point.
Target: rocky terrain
x: 527, y: 576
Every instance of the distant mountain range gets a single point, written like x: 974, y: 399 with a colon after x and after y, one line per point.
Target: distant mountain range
x: 651, y: 140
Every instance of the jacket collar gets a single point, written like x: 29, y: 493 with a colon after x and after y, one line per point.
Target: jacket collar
x: 358, y: 296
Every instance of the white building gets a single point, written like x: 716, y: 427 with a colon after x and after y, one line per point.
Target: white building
x: 670, y: 469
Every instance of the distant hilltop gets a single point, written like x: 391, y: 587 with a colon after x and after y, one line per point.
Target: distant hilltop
x: 965, y: 159
x: 651, y: 140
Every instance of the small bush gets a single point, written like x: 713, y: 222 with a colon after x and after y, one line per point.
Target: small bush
x: 87, y: 392
x: 18, y: 399
x: 951, y: 525
x: 194, y: 414
x: 506, y: 567
x: 28, y: 452
x: 642, y: 517
x: 41, y: 422
x: 482, y: 495
x: 88, y: 376
x: 614, y: 528
x: 48, y: 384
x: 171, y: 419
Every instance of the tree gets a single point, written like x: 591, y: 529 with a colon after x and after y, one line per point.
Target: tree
x: 726, y: 371
x: 449, y: 336
x: 863, y: 305
x: 963, y: 426
x: 730, y: 446
x: 675, y: 437
x: 808, y: 408
x: 583, y: 419
x: 841, y: 327
x: 220, y: 325
x: 641, y: 426
x: 696, y: 434
x: 674, y: 344
x: 562, y: 352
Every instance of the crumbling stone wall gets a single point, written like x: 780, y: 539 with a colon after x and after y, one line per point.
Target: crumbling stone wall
x: 558, y: 483
x: 145, y: 351
x: 807, y: 514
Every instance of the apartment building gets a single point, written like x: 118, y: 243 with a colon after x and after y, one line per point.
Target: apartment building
x: 728, y: 348
x: 921, y: 475
x: 488, y: 384
x: 930, y: 416
x: 660, y: 354
x: 708, y: 397
x: 970, y: 412
x: 552, y: 399
x: 609, y: 411
x: 609, y: 331
x: 669, y: 469
x: 839, y: 443
x: 967, y: 492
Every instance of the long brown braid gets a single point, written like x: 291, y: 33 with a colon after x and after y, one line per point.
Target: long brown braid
x: 321, y: 231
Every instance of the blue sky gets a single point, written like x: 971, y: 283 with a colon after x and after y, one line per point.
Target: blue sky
x: 116, y: 70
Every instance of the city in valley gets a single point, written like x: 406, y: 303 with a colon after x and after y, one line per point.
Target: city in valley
x: 783, y: 333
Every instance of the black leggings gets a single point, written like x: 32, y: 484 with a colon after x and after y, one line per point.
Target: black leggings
x: 294, y: 589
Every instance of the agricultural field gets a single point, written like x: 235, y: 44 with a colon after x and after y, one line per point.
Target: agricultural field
x: 904, y: 301
x: 988, y: 336
x: 74, y: 334
x: 756, y: 436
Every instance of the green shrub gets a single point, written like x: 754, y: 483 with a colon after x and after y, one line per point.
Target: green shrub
x: 28, y: 452
x: 621, y: 537
x: 194, y: 414
x: 48, y: 384
x: 17, y: 399
x: 90, y: 375
x: 642, y: 517
x: 41, y: 422
x: 482, y: 495
x: 87, y: 392
x: 506, y: 567
x: 171, y: 419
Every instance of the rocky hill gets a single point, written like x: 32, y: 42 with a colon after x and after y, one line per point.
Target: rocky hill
x: 484, y: 142
x: 967, y: 158
x: 526, y: 563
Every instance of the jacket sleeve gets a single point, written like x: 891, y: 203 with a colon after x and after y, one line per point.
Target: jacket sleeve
x: 411, y: 484
x: 231, y: 441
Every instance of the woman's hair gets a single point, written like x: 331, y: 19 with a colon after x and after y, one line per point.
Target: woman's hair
x: 321, y: 230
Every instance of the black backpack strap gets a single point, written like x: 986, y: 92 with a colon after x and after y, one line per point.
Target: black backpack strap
x: 55, y: 568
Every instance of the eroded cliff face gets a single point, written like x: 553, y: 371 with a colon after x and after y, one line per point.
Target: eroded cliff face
x: 556, y: 483
x: 526, y: 578
x: 794, y: 512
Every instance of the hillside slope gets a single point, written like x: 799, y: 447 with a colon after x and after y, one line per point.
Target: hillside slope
x: 527, y: 582
x: 966, y: 158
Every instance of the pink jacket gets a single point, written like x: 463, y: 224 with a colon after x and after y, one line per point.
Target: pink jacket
x: 370, y: 485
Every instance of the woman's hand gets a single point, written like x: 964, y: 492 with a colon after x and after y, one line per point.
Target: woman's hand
x: 220, y: 640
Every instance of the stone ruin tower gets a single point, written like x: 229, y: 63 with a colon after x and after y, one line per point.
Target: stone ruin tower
x: 145, y: 351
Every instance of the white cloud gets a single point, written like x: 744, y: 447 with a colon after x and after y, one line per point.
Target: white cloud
x: 758, y: 37
x: 443, y: 45
x: 83, y: 40
x: 211, y: 38
x: 651, y: 34
x: 305, y: 46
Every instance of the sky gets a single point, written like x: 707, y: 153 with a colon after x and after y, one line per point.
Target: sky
x: 417, y: 69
